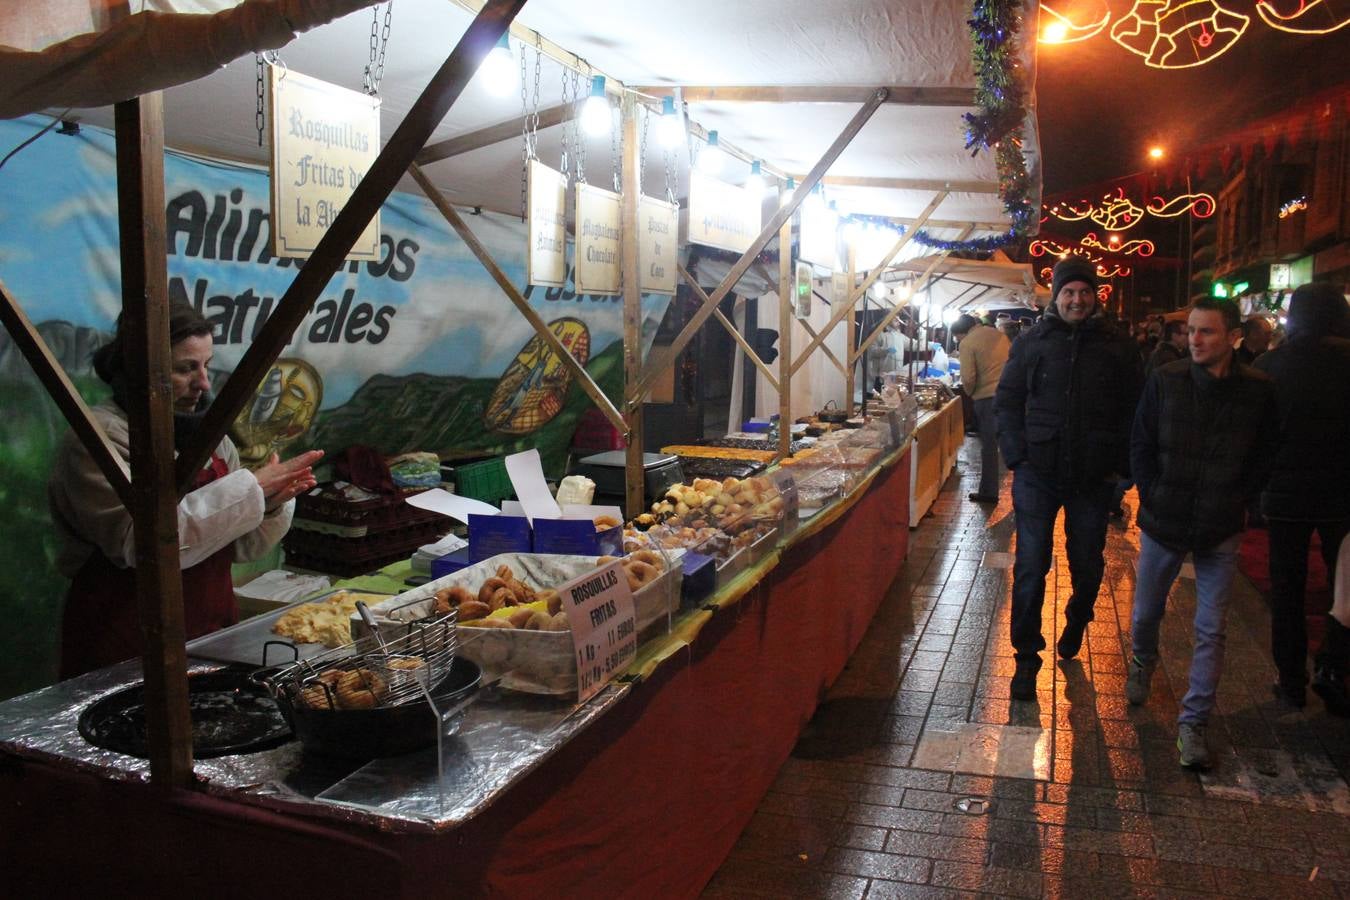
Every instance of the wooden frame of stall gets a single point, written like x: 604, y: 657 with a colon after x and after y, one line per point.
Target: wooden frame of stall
x: 152, y: 492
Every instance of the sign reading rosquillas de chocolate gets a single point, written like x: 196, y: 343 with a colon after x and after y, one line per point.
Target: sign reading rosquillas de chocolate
x: 324, y: 139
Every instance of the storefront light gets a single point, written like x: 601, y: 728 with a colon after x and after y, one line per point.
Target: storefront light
x: 595, y: 114
x: 755, y: 182
x: 499, y: 69
x: 669, y: 130
x: 712, y: 157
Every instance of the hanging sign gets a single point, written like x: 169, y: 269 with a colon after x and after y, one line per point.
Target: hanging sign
x: 722, y: 215
x: 546, y: 253
x: 599, y: 262
x: 324, y: 139
x: 658, y: 236
x: 1279, y: 276
x: 820, y: 235
x: 600, y: 613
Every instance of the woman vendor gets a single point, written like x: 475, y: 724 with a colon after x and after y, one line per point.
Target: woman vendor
x: 232, y: 514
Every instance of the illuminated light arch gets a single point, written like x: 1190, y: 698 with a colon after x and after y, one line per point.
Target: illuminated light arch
x: 1112, y: 270
x: 1138, y: 29
x: 1199, y: 205
x: 1185, y: 40
x: 1117, y: 213
x: 1104, y: 292
x: 1293, y: 22
x: 1125, y: 248
x: 1071, y: 31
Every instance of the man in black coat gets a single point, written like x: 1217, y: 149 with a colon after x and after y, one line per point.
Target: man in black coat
x: 1171, y: 348
x: 1200, y: 450
x: 1064, y: 404
x: 1309, y: 487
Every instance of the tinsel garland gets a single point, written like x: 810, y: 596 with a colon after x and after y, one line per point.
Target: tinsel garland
x: 999, y: 92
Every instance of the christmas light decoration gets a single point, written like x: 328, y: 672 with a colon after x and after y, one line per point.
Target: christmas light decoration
x: 1293, y: 22
x: 1298, y: 204
x: 1201, y: 206
x: 1060, y: 29
x: 1112, y: 270
x: 1126, y: 248
x: 1190, y: 33
x: 1104, y: 292
x: 1117, y: 212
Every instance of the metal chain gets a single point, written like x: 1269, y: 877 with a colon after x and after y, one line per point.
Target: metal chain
x: 379, y: 43
x: 525, y: 149
x: 566, y: 128
x: 670, y: 176
x: 258, y: 118
x: 642, y: 145
x: 614, y: 155
x: 533, y: 117
x: 580, y: 138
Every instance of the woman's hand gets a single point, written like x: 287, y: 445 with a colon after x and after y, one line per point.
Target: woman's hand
x: 283, y: 481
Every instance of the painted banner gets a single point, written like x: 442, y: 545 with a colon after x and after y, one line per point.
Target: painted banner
x: 416, y: 349
x: 722, y: 215
x: 324, y: 139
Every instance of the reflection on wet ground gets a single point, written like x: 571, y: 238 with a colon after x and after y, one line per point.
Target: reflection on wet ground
x: 918, y: 777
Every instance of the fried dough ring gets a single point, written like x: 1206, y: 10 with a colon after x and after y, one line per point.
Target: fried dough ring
x: 650, y: 557
x: 502, y: 596
x: 640, y: 574
x: 489, y: 587
x: 472, y: 609
x: 359, y: 689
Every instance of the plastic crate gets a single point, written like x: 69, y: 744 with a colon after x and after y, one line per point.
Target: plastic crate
x: 486, y: 480
x: 596, y: 432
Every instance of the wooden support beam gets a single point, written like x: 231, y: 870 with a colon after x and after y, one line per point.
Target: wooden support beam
x: 855, y: 293
x: 784, y: 333
x: 154, y: 504
x: 412, y: 133
x: 493, y: 134
x: 910, y: 184
x: 851, y: 332
x: 634, y: 470
x: 63, y: 392
x: 886, y: 320
x: 829, y: 354
x: 784, y: 213
x: 900, y: 94
x: 744, y: 344
x: 479, y: 250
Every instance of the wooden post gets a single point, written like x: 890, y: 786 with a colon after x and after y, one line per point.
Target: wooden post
x: 145, y: 311
x: 785, y: 317
x: 331, y: 253
x: 634, y: 473
x: 517, y: 298
x: 63, y: 392
x: 851, y: 326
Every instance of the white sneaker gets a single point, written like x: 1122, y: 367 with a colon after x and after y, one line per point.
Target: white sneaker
x: 1193, y: 746
x: 1139, y: 681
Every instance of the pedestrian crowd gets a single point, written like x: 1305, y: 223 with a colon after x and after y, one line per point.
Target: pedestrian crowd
x: 1219, y: 424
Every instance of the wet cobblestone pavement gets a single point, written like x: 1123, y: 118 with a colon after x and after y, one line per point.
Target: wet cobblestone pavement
x: 918, y: 777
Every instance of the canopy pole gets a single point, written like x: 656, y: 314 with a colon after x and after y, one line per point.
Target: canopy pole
x: 153, y: 508
x: 785, y: 314
x: 851, y: 330
x: 634, y: 471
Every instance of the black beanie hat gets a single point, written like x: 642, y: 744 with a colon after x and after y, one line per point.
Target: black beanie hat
x: 1074, y: 268
x: 964, y: 324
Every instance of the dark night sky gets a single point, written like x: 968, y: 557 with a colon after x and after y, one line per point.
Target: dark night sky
x: 1100, y: 106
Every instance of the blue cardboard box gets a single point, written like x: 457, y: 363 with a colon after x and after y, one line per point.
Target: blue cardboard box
x: 491, y: 535
x: 700, y: 578
x: 450, y: 563
x: 575, y: 532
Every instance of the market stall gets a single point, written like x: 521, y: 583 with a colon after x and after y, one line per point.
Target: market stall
x: 670, y: 747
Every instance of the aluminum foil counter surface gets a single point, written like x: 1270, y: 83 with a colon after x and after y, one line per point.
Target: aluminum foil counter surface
x: 501, y: 738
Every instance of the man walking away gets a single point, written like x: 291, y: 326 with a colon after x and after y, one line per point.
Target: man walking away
x: 1309, y: 487
x: 1064, y: 403
x: 1199, y: 451
x: 984, y: 351
x: 1171, y: 348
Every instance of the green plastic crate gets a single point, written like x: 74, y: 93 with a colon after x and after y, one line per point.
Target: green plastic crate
x: 486, y: 480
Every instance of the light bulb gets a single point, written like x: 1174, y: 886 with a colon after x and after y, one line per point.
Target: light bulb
x: 711, y: 158
x: 879, y: 290
x: 499, y: 69
x: 790, y: 188
x: 950, y: 315
x: 755, y: 183
x: 903, y: 291
x: 815, y: 201
x: 669, y: 130
x: 595, y: 115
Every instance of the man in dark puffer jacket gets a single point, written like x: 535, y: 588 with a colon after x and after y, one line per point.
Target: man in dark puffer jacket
x: 1309, y: 487
x: 1064, y: 403
x: 1202, y: 442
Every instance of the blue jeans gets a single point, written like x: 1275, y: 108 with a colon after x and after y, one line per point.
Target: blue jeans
x: 991, y: 473
x: 1157, y: 570
x: 1036, y: 502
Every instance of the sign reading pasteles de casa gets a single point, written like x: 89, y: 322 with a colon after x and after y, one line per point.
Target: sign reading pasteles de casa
x: 324, y: 139
x: 546, y: 254
x: 658, y: 234
x: 722, y: 215
x: 600, y: 613
x: 599, y: 262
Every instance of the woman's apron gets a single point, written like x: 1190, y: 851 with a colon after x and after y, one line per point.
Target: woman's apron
x: 101, y: 623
